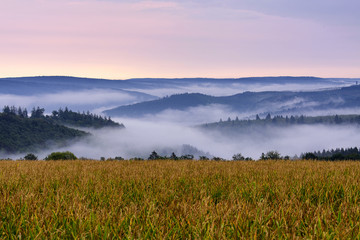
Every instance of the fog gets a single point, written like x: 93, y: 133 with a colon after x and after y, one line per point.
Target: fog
x: 235, y: 88
x: 94, y: 100
x: 141, y: 137
x: 174, y: 130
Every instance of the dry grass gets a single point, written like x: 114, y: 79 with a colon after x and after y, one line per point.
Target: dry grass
x: 179, y: 199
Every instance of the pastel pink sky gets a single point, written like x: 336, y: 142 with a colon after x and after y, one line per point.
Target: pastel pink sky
x: 131, y: 39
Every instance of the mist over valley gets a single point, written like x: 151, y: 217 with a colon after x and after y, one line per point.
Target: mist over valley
x: 164, y: 115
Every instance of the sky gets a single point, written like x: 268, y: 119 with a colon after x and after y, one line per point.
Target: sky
x: 189, y: 38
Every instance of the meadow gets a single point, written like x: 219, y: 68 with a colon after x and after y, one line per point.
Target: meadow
x: 179, y: 199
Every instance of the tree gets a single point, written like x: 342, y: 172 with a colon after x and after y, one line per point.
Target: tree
x: 61, y: 156
x: 187, y: 157
x: 292, y: 119
x: 337, y: 119
x: 217, y: 159
x: 173, y: 156
x: 37, y: 113
x: 273, y: 155
x: 6, y: 110
x: 22, y: 113
x: 257, y: 117
x: 55, y: 113
x: 238, y: 157
x: 309, y: 156
x: 30, y: 156
x: 301, y: 119
x: 268, y: 117
x: 154, y: 156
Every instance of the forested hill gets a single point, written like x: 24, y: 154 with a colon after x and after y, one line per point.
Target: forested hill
x: 276, y: 101
x: 65, y: 117
x: 21, y: 131
x: 281, y: 121
x: 20, y: 134
x: 77, y: 119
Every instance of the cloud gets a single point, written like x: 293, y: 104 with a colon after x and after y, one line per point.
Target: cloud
x: 116, y: 39
x: 151, y: 5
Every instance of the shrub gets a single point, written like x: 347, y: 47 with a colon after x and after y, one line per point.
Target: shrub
x: 238, y: 157
x: 61, y: 156
x: 30, y: 156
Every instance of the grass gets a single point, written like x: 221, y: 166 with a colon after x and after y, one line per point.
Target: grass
x: 179, y: 200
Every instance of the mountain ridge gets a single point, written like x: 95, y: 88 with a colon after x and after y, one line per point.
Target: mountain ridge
x: 337, y: 98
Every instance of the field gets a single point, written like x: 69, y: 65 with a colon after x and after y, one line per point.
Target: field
x: 179, y: 200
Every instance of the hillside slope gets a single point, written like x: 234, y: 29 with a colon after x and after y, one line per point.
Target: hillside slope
x: 19, y: 134
x: 346, y: 97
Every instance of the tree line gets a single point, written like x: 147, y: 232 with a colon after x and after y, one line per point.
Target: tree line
x: 281, y: 120
x: 333, y: 154
x: 63, y: 116
x: 325, y: 155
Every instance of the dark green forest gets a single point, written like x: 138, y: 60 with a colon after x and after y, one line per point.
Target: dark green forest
x: 68, y: 117
x: 19, y: 134
x: 21, y: 131
x: 333, y: 154
x: 281, y: 121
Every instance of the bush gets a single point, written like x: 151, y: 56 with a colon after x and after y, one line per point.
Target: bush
x: 271, y: 155
x: 61, y: 156
x: 309, y: 156
x: 238, y: 157
x: 154, y: 156
x: 30, y: 156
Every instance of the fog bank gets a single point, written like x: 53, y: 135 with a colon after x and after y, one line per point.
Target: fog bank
x: 142, y: 137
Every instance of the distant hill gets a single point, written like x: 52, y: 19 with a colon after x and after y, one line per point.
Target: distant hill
x: 97, y: 95
x: 18, y: 134
x: 84, y: 120
x: 76, y: 93
x: 232, y: 125
x: 271, y: 101
x: 53, y: 84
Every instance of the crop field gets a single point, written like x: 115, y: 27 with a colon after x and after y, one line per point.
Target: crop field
x: 179, y: 200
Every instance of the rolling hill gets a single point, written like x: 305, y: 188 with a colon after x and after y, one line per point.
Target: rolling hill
x: 28, y: 134
x: 270, y: 101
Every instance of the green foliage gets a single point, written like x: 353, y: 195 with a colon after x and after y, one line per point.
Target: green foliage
x: 21, y: 134
x: 271, y: 155
x: 61, y: 156
x: 37, y: 112
x: 154, y: 156
x: 173, y: 156
x: 187, y: 157
x: 78, y: 119
x: 281, y: 121
x: 238, y: 157
x: 30, y: 156
x: 333, y: 154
